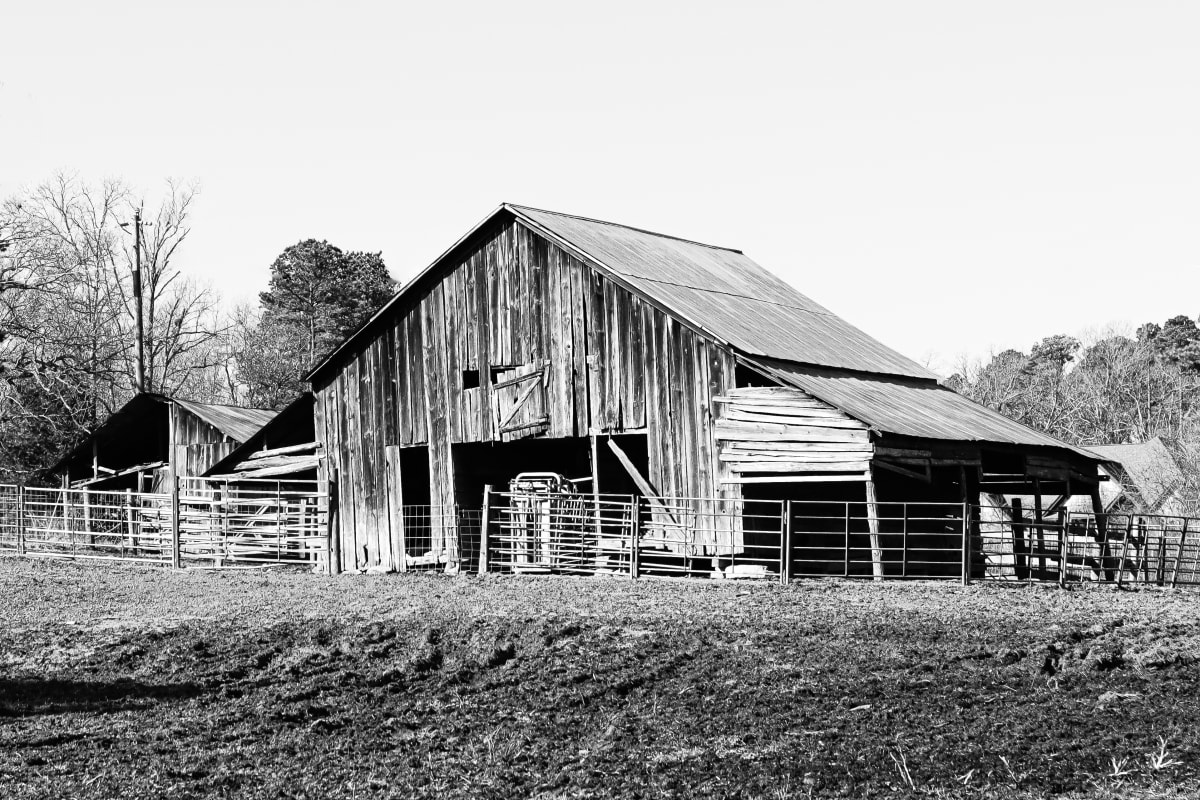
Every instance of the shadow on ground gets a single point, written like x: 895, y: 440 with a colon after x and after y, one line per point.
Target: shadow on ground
x: 23, y: 697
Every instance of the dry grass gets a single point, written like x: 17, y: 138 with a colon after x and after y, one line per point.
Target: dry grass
x: 138, y: 682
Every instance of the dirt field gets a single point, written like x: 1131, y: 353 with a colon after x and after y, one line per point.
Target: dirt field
x: 143, y: 683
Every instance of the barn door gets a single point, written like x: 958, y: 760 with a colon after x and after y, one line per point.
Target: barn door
x: 520, y: 401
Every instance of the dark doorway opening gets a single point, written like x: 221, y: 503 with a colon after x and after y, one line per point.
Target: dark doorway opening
x: 414, y: 476
x: 481, y: 464
x: 612, y: 477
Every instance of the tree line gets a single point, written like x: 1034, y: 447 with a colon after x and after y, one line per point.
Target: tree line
x: 68, y: 325
x: 1115, y: 388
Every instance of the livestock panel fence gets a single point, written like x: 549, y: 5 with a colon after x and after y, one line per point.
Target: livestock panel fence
x: 628, y: 535
x: 198, y: 523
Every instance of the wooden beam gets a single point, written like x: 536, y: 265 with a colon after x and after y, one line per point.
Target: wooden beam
x: 873, y: 527
x: 1102, y: 532
x: 926, y: 476
x: 792, y: 478
x: 283, y: 451
x: 647, y: 490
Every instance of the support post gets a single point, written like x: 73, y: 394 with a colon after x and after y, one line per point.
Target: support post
x: 1160, y: 567
x: 969, y: 480
x: 1064, y: 519
x: 20, y: 520
x: 89, y: 535
x: 966, y: 543
x: 1039, y: 528
x: 1019, y: 545
x: 873, y: 528
x: 332, y: 527
x: 1125, y: 555
x: 635, y: 556
x: 1102, y: 533
x: 846, y: 558
x: 129, y: 527
x: 176, y: 556
x: 280, y: 519
x: 904, y: 540
x: 1179, y: 553
x: 483, y: 529
x: 785, y: 554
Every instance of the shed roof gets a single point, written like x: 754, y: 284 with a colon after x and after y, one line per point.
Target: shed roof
x: 293, y: 425
x: 907, y: 407
x: 715, y: 289
x: 238, y: 424
x: 235, y: 422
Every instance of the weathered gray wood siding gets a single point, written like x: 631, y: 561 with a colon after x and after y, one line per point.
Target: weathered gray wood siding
x: 195, y: 444
x: 517, y: 304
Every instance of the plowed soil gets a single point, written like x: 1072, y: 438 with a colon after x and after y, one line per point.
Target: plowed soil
x: 132, y: 682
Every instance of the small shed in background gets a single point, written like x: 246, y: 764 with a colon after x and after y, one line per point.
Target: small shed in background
x: 154, y: 437
x: 1143, y: 478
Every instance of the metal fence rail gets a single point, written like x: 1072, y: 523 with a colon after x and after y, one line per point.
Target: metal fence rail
x: 584, y: 534
x: 222, y: 524
x: 1119, y: 548
x: 198, y: 523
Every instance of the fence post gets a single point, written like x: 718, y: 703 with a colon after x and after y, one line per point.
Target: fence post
x: 904, y: 540
x: 129, y: 523
x: 635, y: 534
x: 1160, y: 567
x: 846, y: 556
x: 1064, y: 519
x: 20, y: 520
x: 1125, y: 556
x: 966, y: 543
x: 176, y: 556
x: 785, y: 555
x: 483, y: 529
x: 1179, y: 553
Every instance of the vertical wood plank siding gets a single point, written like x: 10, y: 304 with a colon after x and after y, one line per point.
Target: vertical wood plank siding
x: 614, y: 363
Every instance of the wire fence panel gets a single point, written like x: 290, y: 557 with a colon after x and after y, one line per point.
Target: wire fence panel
x: 202, y: 523
x: 561, y: 533
x: 226, y: 524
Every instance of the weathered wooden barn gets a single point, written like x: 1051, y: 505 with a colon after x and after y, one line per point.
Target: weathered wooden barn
x: 645, y: 364
x: 152, y: 438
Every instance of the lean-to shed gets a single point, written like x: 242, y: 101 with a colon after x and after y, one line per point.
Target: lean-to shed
x: 153, y: 437
x: 643, y: 363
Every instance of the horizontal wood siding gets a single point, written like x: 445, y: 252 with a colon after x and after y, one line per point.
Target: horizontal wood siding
x: 782, y: 434
x: 515, y: 304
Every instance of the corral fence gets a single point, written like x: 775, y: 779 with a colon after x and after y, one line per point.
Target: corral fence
x: 199, y: 522
x: 633, y: 536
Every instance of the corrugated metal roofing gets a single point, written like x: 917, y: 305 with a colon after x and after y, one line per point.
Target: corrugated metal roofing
x: 725, y: 293
x: 293, y: 425
x: 236, y: 423
x: 906, y: 407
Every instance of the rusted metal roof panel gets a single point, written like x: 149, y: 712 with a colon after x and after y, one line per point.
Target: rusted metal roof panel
x: 726, y: 294
x: 906, y: 407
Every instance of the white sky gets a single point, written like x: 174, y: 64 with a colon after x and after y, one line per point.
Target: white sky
x: 952, y: 177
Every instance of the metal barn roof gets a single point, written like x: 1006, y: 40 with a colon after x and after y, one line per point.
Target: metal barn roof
x: 906, y: 407
x: 725, y: 293
x: 714, y: 289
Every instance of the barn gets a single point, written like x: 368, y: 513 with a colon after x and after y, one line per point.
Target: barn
x: 154, y: 437
x: 638, y: 363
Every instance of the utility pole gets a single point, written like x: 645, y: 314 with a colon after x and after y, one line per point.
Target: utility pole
x: 137, y: 299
